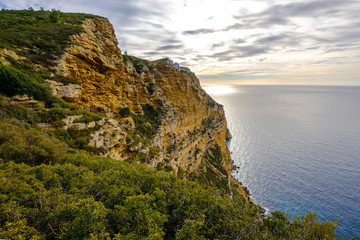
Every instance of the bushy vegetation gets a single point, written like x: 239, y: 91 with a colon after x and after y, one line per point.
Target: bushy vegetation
x: 23, y: 144
x: 35, y: 115
x: 116, y: 82
x: 77, y: 139
x: 212, y: 172
x: 63, y: 79
x: 150, y: 87
x: 74, y: 138
x: 36, y: 37
x: 41, y: 36
x: 162, y: 60
x: 88, y: 117
x: 86, y: 197
x: 147, y: 124
x: 14, y: 82
x: 124, y: 112
x: 207, y: 125
x: 51, y: 191
x: 139, y: 63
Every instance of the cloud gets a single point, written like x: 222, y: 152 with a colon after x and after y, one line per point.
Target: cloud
x: 238, y: 41
x: 199, y: 31
x: 153, y: 53
x: 135, y: 22
x: 249, y: 51
x: 319, y: 31
x: 169, y: 47
x: 237, y: 52
x: 302, y: 9
x: 261, y: 45
x: 236, y: 75
x: 235, y: 26
x: 281, y: 13
x: 281, y: 40
x: 217, y: 45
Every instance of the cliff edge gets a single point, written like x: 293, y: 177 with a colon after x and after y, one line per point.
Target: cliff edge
x: 151, y: 111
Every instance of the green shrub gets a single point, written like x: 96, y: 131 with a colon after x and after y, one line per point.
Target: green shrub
x: 151, y: 115
x: 54, y: 16
x: 41, y: 31
x: 56, y: 113
x: 84, y: 197
x: 124, y: 112
x: 151, y: 88
x: 19, y: 112
x: 139, y: 157
x: 116, y: 82
x: 139, y: 63
x: 14, y: 82
x: 29, y: 146
x: 88, y: 117
x: 20, y: 230
x: 146, y: 125
x: 64, y: 80
x: 154, y: 151
x: 125, y: 58
x: 77, y: 139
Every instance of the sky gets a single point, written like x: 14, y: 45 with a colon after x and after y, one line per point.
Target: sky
x: 308, y: 42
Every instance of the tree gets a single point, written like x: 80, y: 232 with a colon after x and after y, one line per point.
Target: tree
x: 54, y: 15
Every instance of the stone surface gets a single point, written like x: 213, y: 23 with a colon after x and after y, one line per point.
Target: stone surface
x: 65, y: 91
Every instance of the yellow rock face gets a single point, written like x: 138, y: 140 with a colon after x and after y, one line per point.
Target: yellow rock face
x: 192, y: 132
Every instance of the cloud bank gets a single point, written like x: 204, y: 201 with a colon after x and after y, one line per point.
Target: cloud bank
x: 259, y: 42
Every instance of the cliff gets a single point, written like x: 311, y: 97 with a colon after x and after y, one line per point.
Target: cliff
x: 67, y: 95
x: 172, y: 125
x: 192, y: 127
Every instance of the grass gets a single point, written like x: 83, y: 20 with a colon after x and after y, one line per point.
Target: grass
x: 34, y: 35
x: 139, y: 63
x: 146, y: 125
x: 124, y: 112
x: 37, y: 39
x: 14, y: 82
x: 88, y: 117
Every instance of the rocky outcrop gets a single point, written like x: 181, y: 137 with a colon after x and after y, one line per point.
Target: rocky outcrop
x: 110, y: 139
x: 189, y: 130
x: 61, y: 90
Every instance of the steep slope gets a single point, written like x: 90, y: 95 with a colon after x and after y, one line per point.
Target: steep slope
x: 192, y: 131
x: 172, y: 125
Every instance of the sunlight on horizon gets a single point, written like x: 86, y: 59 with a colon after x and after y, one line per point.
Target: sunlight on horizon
x: 219, y: 89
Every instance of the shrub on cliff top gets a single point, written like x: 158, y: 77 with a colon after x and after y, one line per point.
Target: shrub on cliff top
x: 139, y: 63
x: 40, y: 31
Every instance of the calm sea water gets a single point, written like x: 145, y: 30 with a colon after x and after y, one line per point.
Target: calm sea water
x: 297, y: 148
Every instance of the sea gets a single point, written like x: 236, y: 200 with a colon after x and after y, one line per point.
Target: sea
x: 297, y: 148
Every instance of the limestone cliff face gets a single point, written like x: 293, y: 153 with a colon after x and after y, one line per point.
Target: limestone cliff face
x: 190, y: 133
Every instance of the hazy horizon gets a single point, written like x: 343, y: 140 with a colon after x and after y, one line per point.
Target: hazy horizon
x: 204, y: 84
x: 282, y: 42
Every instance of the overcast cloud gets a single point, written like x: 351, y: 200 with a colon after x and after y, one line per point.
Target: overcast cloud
x: 236, y: 41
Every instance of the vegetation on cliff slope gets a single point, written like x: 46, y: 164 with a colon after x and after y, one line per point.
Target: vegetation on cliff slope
x: 36, y: 39
x: 40, y: 36
x: 49, y: 191
x: 51, y: 188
